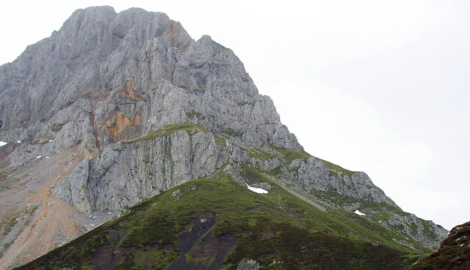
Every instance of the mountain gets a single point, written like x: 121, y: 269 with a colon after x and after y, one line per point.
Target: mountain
x: 453, y: 253
x: 115, y: 108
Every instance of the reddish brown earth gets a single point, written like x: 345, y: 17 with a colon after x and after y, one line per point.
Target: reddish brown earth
x: 32, y: 219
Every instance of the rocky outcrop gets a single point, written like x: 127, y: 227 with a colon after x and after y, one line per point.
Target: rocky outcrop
x: 422, y: 231
x: 312, y: 175
x: 126, y: 173
x: 247, y: 264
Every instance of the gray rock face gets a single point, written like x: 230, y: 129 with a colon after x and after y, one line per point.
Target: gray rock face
x: 422, y: 231
x: 126, y: 173
x: 113, y: 76
x: 313, y: 175
x: 74, y: 189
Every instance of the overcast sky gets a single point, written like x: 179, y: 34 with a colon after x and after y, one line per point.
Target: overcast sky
x: 374, y: 86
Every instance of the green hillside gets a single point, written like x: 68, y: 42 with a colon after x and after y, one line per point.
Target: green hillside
x: 214, y: 223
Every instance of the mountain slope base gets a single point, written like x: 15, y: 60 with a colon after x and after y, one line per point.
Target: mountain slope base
x: 214, y: 223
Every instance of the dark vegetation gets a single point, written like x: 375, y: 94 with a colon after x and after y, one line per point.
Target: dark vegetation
x: 192, y: 114
x: 199, y: 91
x: 454, y: 252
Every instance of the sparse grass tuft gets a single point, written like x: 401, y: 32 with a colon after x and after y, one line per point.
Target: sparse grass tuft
x: 335, y: 169
x: 10, y: 225
x: 220, y: 140
x: 243, y: 103
x: 260, y: 154
x: 192, y: 114
x: 232, y: 132
x: 276, y: 172
x: 199, y: 90
x: 170, y: 129
x: 291, y: 155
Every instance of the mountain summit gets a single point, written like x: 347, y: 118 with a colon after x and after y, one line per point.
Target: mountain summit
x: 116, y: 108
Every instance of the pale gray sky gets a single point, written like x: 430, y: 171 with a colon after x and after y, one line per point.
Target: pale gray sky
x: 376, y: 86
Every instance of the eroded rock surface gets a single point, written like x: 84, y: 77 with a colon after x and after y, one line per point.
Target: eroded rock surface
x: 127, y: 173
x: 106, y: 77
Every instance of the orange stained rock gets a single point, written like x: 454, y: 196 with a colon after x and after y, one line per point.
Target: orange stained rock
x: 128, y: 92
x: 121, y: 123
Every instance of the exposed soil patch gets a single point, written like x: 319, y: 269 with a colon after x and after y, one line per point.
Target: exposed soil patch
x: 42, y: 221
x: 201, y: 248
x: 195, y: 230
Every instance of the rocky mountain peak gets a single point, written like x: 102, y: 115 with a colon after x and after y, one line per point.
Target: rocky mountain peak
x: 115, y: 108
x: 98, y: 50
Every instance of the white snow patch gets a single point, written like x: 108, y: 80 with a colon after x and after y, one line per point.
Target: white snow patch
x: 2, y: 143
x: 257, y: 190
x: 359, y: 213
x: 39, y: 157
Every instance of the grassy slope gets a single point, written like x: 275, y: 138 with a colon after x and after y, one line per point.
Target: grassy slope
x: 213, y: 223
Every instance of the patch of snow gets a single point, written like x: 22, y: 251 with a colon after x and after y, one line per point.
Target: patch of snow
x: 39, y: 157
x: 256, y: 190
x: 2, y: 143
x: 18, y: 141
x: 359, y: 213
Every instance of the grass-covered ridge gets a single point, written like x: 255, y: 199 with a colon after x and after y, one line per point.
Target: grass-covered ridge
x: 336, y: 169
x: 290, y: 155
x: 215, y: 223
x: 260, y: 154
x: 170, y: 129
